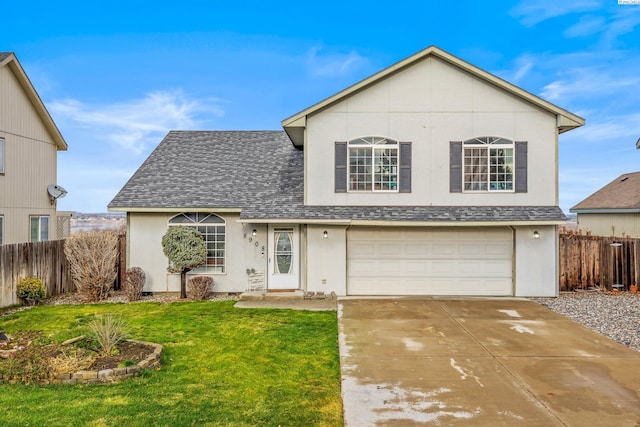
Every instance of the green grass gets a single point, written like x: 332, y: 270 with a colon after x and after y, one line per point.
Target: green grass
x: 221, y: 366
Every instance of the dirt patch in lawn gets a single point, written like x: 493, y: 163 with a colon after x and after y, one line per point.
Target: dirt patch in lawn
x: 128, y: 352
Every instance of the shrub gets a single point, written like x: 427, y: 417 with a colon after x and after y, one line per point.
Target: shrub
x: 108, y: 331
x: 31, y: 290
x: 92, y: 257
x: 32, y: 362
x: 186, y: 250
x: 200, y: 287
x: 134, y: 283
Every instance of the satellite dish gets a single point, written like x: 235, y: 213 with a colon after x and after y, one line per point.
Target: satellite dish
x: 55, y: 192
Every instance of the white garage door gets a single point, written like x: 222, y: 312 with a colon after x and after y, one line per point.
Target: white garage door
x: 429, y: 261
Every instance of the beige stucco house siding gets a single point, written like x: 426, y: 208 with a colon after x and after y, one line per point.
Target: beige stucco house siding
x: 144, y: 250
x: 446, y: 105
x: 536, y: 261
x: 30, y: 161
x: 610, y: 224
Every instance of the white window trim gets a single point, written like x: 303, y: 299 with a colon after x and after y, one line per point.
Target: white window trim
x: 40, y: 218
x: 205, y: 269
x: 374, y: 143
x: 486, y: 144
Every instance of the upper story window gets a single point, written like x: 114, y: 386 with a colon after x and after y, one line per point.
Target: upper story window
x: 488, y: 164
x: 213, y: 230
x: 373, y: 164
x: 39, y: 228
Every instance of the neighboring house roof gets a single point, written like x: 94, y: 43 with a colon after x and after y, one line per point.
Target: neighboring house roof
x: 294, y: 125
x: 260, y: 174
x: 9, y: 59
x: 622, y: 195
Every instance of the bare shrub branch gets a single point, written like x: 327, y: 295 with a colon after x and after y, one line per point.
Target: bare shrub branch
x: 200, y: 287
x: 134, y: 283
x: 93, y: 257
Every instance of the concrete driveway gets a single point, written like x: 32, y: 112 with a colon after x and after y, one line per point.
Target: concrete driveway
x: 484, y: 362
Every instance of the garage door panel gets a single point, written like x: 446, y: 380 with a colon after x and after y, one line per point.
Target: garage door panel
x: 429, y: 261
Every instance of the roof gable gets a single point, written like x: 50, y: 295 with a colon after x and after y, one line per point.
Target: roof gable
x: 295, y: 125
x: 620, y: 195
x: 8, y: 59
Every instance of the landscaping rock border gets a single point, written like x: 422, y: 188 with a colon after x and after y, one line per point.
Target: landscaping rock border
x: 105, y: 375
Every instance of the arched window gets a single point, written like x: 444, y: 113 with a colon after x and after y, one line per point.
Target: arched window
x: 488, y: 164
x: 213, y: 230
x: 373, y: 164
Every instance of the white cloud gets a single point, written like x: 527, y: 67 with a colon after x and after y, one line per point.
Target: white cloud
x: 136, y: 123
x: 328, y: 64
x: 532, y: 12
x: 624, y: 21
x: 524, y: 64
x: 586, y: 26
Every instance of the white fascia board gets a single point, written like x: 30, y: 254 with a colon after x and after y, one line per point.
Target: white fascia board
x: 184, y: 209
x: 605, y: 211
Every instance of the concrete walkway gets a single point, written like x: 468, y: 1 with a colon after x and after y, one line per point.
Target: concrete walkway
x: 480, y: 362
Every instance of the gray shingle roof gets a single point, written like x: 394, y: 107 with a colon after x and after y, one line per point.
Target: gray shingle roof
x: 623, y: 193
x: 209, y: 169
x: 3, y: 55
x: 261, y: 173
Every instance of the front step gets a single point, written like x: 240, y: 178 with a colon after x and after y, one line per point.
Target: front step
x: 270, y: 295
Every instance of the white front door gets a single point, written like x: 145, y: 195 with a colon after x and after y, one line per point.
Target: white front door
x: 284, y: 261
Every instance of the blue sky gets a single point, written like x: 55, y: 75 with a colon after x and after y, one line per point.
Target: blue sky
x: 117, y: 75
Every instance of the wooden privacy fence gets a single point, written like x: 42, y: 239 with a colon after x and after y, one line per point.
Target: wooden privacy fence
x: 46, y: 261
x: 598, y: 262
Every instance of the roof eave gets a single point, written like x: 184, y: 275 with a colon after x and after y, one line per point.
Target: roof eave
x: 604, y: 210
x: 139, y: 209
x: 33, y: 96
x: 362, y: 222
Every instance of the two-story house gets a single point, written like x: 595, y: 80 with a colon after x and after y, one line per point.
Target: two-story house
x: 431, y: 177
x: 29, y: 145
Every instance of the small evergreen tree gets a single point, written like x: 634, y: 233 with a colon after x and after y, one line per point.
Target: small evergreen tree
x: 186, y: 250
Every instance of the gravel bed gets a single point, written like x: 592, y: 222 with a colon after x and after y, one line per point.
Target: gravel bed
x: 614, y: 316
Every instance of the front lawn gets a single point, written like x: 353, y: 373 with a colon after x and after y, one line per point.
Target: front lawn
x: 221, y: 366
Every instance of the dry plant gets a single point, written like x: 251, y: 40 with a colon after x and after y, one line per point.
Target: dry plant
x: 200, y: 287
x: 92, y: 257
x: 134, y: 283
x: 108, y: 331
x: 71, y: 361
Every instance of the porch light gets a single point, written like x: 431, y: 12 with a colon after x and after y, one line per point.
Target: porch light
x: 325, y: 234
x: 536, y: 235
x: 254, y: 232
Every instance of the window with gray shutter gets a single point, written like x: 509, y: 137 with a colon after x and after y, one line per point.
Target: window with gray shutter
x: 521, y: 166
x: 405, y: 167
x: 455, y: 167
x: 341, y: 167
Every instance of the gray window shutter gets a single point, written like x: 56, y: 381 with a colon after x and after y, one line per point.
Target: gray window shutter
x: 520, y: 166
x: 455, y: 167
x: 405, y: 167
x: 341, y: 167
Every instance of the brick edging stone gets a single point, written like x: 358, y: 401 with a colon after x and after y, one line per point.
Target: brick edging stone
x: 105, y: 375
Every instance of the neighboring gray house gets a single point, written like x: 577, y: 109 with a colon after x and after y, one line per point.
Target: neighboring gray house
x: 614, y: 210
x: 431, y: 177
x: 29, y: 145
